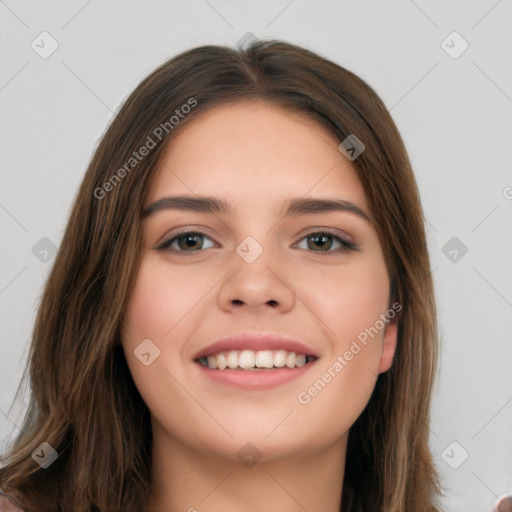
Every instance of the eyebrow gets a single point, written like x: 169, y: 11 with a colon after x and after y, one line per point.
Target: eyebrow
x: 291, y: 207
x: 191, y: 203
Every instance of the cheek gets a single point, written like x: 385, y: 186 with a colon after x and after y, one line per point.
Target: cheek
x: 349, y: 300
x: 160, y: 300
x: 351, y: 305
x: 162, y: 297
x: 157, y: 304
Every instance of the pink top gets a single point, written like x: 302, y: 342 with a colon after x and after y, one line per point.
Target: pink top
x: 9, y: 504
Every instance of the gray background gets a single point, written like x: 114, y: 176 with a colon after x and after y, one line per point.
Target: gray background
x: 455, y: 115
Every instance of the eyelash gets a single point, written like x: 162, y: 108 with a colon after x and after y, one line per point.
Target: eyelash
x: 345, y: 244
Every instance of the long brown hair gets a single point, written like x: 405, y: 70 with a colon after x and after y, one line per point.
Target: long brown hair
x: 84, y: 403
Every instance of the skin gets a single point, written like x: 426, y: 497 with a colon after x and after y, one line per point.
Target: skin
x: 255, y: 156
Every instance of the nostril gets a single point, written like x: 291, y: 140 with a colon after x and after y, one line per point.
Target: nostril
x: 272, y: 303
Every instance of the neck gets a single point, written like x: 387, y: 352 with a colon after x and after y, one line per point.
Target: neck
x: 187, y: 480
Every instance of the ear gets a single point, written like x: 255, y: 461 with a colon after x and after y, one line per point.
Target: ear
x: 388, y: 346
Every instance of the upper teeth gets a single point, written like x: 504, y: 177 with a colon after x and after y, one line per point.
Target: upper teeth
x: 248, y: 359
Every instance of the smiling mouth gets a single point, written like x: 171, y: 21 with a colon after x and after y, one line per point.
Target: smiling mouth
x: 255, y: 360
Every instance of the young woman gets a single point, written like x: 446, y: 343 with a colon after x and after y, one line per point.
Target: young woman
x: 241, y: 315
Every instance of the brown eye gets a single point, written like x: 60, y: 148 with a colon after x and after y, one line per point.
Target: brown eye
x: 325, y: 242
x: 320, y: 241
x: 189, y: 241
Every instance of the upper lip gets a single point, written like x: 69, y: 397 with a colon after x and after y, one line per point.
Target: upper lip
x: 256, y: 341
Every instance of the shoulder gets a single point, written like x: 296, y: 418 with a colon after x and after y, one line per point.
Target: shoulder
x: 9, y: 504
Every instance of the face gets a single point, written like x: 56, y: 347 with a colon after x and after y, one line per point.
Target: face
x: 281, y: 259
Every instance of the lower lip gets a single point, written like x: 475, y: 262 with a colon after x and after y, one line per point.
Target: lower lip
x: 255, y: 379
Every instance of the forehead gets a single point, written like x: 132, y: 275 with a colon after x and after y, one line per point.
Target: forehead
x: 252, y: 149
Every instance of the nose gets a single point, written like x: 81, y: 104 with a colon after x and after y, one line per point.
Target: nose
x: 259, y: 285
